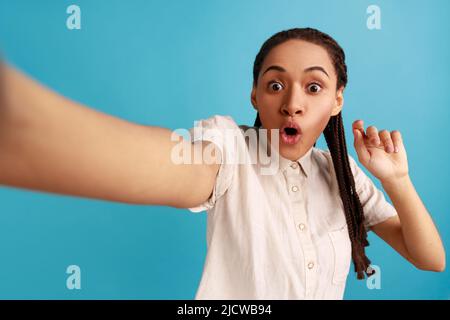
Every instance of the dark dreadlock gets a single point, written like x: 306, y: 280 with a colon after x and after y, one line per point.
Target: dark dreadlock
x: 335, y: 138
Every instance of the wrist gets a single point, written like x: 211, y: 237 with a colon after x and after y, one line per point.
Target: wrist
x: 396, y: 182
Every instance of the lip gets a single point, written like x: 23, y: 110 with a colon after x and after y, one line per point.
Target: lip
x: 290, y: 139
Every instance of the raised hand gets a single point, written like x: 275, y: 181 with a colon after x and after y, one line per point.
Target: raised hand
x: 382, y: 153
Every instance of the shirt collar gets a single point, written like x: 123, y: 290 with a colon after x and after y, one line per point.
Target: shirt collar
x: 304, y: 162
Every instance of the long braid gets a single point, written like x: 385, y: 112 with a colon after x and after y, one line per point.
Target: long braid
x: 354, y: 215
x: 335, y: 138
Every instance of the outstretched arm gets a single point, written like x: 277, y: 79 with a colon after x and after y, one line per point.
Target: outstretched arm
x: 53, y: 144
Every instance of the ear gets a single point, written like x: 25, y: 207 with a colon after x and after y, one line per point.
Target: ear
x: 253, y: 97
x: 339, y: 102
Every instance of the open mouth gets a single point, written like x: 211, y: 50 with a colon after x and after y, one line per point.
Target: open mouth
x: 290, y: 133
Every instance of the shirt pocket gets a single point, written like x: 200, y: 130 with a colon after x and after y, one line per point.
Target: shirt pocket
x: 342, y: 248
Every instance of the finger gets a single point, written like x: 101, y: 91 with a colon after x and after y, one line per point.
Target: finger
x: 372, y: 134
x: 397, y: 140
x: 359, y: 125
x: 385, y: 137
x: 360, y: 147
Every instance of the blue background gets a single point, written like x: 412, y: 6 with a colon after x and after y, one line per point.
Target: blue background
x: 168, y: 63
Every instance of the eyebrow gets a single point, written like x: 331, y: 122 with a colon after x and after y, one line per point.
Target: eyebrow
x: 309, y: 69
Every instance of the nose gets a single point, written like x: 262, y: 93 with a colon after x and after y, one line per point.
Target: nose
x: 294, y: 103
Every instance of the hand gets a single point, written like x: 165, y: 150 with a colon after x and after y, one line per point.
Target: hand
x: 382, y: 153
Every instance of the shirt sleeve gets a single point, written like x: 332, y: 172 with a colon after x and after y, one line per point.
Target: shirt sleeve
x: 216, y: 130
x: 375, y: 206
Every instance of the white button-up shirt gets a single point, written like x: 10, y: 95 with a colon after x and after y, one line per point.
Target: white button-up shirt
x: 281, y: 235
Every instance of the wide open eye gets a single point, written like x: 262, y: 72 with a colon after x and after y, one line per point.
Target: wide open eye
x: 314, y: 88
x: 275, y: 86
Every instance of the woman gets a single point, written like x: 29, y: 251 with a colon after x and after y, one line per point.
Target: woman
x: 288, y: 235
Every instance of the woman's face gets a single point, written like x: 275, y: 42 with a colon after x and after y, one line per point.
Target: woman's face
x: 297, y: 82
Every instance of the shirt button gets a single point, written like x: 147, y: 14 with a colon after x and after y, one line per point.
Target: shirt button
x: 294, y: 165
x: 302, y: 226
x: 294, y: 188
x: 310, y: 265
